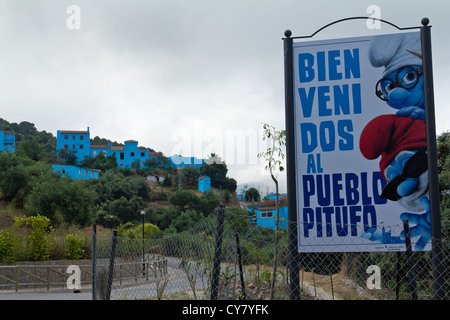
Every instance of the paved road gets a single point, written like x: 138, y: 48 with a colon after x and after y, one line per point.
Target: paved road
x: 177, y: 283
x: 51, y: 295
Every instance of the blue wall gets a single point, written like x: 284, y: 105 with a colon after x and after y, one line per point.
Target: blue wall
x: 7, y: 141
x: 204, y: 183
x: 177, y: 161
x: 269, y: 222
x: 125, y: 155
x: 77, y: 142
x: 75, y: 172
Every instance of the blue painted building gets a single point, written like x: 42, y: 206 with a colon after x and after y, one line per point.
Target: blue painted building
x: 7, y: 141
x: 76, y: 142
x: 75, y: 172
x: 179, y: 162
x: 125, y: 155
x: 264, y: 213
x: 204, y: 183
x: 273, y: 195
x: 241, y: 195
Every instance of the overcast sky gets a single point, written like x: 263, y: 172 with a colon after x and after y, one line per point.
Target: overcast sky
x: 179, y: 76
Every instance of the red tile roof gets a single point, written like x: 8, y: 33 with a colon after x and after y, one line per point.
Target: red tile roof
x: 270, y: 203
x: 72, y: 131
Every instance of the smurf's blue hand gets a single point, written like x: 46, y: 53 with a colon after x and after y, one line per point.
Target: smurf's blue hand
x: 413, y: 112
x: 422, y: 228
x: 407, y: 187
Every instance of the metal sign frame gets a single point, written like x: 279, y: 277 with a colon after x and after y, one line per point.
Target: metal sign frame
x: 435, y: 216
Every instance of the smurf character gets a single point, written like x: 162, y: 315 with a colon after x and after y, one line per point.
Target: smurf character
x: 402, y: 83
x: 400, y: 139
x: 401, y: 143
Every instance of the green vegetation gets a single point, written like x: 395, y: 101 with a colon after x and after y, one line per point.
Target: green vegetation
x: 30, y: 190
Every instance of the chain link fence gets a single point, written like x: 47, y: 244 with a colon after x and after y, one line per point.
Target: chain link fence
x: 224, y: 257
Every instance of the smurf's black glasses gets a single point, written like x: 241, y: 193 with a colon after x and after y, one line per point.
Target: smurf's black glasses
x: 406, y: 77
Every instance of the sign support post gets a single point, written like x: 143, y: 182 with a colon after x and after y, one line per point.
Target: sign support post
x: 435, y: 215
x: 291, y: 168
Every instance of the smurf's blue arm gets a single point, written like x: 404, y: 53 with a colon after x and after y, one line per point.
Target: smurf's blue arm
x: 413, y: 112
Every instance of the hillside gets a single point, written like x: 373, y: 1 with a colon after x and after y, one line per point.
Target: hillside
x: 40, y: 145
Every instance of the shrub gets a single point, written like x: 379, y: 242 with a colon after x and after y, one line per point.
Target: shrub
x: 34, y: 233
x: 7, y: 243
x: 132, y: 231
x: 74, y: 247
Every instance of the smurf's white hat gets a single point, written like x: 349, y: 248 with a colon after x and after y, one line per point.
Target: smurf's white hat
x: 394, y: 51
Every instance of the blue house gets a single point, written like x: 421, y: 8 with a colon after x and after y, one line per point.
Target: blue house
x: 241, y: 196
x: 204, y: 183
x: 179, y: 162
x: 126, y: 155
x: 273, y: 195
x: 76, y: 142
x: 7, y: 141
x: 75, y: 172
x: 264, y: 213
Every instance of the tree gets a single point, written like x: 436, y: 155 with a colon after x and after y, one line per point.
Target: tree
x: 252, y: 195
x: 13, y: 175
x: 184, y: 199
x: 64, y: 156
x: 62, y: 200
x: 126, y: 210
x: 100, y: 162
x: 215, y: 168
x: 273, y: 157
x: 443, y: 155
x: 189, y: 176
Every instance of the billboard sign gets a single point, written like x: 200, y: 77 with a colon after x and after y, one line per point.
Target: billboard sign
x: 360, y: 143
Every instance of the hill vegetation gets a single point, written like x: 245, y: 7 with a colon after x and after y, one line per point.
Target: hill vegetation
x: 29, y: 189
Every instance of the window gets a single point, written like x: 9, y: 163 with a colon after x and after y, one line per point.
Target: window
x: 66, y: 137
x: 132, y: 154
x: 81, y: 146
x: 66, y: 146
x: 266, y: 213
x: 73, y: 137
x: 94, y: 153
x: 73, y: 146
x: 81, y: 137
x: 121, y: 156
x: 80, y: 172
x: 121, y: 163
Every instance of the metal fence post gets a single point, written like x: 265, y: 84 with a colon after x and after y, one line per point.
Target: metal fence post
x: 412, y: 286
x: 111, y: 265
x: 94, y: 261
x: 217, y: 254
x: 239, y: 256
